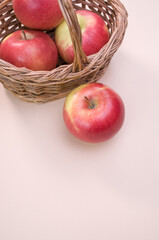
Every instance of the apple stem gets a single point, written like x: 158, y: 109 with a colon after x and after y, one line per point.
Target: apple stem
x: 90, y: 103
x: 24, y: 35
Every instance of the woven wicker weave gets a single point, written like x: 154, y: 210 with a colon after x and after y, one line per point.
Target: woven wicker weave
x: 45, y: 86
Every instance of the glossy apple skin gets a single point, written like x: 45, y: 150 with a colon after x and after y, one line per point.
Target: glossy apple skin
x: 38, y: 14
x: 101, y: 122
x: 94, y: 31
x: 38, y: 52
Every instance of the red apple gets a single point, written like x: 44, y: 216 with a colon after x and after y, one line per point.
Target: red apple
x: 94, y: 31
x: 31, y: 49
x: 93, y: 112
x: 38, y: 14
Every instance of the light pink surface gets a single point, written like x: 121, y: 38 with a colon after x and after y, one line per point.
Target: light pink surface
x: 55, y: 187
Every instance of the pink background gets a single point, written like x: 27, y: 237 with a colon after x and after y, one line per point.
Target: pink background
x: 55, y: 187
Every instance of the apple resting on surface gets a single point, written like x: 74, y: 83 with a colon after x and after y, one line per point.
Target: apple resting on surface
x: 32, y: 49
x: 93, y: 112
x: 94, y: 31
x: 38, y: 14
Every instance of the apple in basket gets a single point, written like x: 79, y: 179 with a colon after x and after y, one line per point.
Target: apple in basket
x: 32, y: 49
x: 38, y: 14
x: 94, y: 31
x: 93, y: 112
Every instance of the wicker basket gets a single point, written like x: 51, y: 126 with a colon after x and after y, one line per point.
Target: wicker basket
x: 45, y: 86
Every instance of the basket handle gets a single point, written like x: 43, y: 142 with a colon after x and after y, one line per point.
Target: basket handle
x: 70, y: 17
